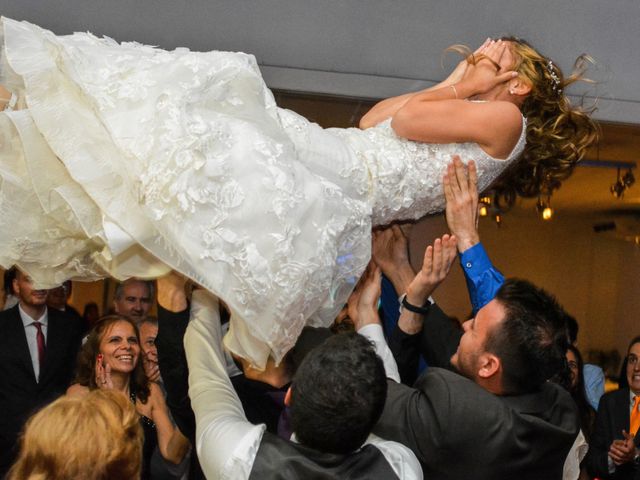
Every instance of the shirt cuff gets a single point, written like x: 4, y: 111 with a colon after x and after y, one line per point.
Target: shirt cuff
x: 373, y: 332
x: 475, y: 260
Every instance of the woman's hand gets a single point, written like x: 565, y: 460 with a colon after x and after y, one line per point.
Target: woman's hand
x: 145, y: 409
x: 488, y: 71
x: 103, y: 373
x: 458, y: 73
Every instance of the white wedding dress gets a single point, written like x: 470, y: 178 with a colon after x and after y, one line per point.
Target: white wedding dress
x: 127, y: 160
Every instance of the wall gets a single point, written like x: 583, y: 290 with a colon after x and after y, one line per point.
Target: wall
x: 593, y: 276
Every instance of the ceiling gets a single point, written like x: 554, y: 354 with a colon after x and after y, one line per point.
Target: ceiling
x: 368, y: 49
x: 373, y: 49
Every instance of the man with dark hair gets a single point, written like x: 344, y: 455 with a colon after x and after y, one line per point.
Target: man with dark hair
x: 336, y: 396
x: 314, y: 387
x: 497, y: 416
x: 614, y: 450
x: 38, y: 348
x: 530, y: 342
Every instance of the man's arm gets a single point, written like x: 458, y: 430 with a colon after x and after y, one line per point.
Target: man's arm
x: 226, y: 442
x: 435, y: 333
x: 173, y: 318
x: 363, y: 311
x: 461, y: 195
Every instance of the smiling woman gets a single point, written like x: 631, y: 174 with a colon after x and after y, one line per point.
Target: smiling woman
x: 110, y: 360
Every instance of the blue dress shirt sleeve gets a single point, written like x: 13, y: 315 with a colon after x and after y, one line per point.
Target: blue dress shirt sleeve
x: 483, y: 279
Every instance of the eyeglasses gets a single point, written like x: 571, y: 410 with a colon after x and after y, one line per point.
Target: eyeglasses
x: 632, y: 359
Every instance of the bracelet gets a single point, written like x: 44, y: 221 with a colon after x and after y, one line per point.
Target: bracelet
x: 455, y: 91
x: 423, y: 310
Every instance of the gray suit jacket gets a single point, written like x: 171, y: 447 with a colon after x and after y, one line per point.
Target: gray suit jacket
x: 458, y: 430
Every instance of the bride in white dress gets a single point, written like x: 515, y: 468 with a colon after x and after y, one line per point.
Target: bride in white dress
x: 128, y: 160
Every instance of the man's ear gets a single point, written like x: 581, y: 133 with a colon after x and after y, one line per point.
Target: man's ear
x: 490, y: 365
x: 287, y: 397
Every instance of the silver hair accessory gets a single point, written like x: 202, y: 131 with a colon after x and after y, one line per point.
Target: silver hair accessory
x: 554, y: 78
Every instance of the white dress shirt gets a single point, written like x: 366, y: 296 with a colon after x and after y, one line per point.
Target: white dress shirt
x: 226, y: 442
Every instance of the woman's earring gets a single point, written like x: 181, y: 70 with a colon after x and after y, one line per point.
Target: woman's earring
x: 511, y: 91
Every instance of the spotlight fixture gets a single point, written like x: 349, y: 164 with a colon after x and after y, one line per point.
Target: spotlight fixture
x: 622, y: 183
x: 484, y: 205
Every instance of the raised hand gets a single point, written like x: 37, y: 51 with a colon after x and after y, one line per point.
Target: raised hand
x: 458, y: 72
x: 435, y: 268
x: 171, y: 292
x: 461, y: 195
x: 390, y: 251
x: 103, y: 373
x: 362, y: 306
x: 487, y: 71
x: 151, y: 368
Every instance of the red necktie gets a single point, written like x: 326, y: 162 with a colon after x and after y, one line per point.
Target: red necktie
x: 634, y: 421
x: 41, y: 345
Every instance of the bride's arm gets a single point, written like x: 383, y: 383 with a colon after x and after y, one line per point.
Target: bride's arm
x: 438, y: 117
x: 387, y: 108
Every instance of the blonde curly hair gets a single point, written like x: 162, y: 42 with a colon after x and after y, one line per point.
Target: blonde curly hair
x: 558, y: 133
x: 95, y: 437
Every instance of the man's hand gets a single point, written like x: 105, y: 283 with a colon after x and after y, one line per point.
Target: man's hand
x: 390, y: 251
x: 435, y: 268
x: 623, y: 451
x: 363, y: 302
x: 171, y: 292
x: 461, y: 194
x: 151, y: 368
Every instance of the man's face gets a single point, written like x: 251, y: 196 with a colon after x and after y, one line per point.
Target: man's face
x: 148, y: 334
x: 472, y: 343
x: 27, y: 295
x: 135, y: 302
x: 633, y: 368
x: 57, y: 298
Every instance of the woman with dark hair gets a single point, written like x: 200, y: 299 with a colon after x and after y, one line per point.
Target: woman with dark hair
x: 578, y: 392
x: 186, y: 156
x: 110, y: 360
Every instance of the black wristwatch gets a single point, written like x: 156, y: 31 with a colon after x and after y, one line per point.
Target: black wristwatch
x: 423, y: 310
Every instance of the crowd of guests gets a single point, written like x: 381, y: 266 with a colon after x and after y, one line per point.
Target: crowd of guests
x: 394, y: 389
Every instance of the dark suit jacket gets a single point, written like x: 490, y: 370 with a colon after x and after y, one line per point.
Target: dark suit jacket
x: 437, y: 342
x: 457, y: 429
x: 20, y: 394
x: 612, y: 418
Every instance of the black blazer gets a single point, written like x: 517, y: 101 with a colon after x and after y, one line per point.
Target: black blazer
x: 20, y: 394
x: 612, y: 418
